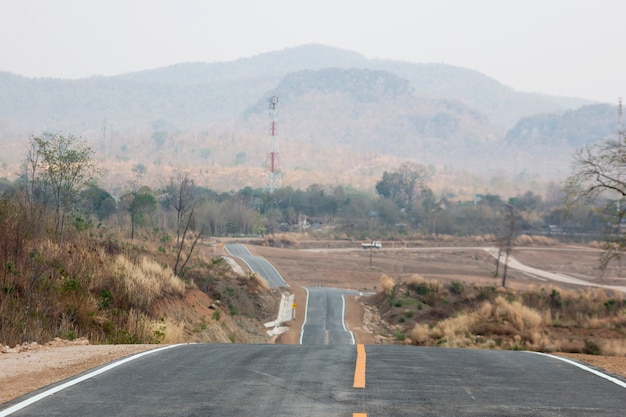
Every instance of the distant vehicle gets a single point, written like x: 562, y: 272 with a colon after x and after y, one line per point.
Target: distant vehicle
x: 374, y: 244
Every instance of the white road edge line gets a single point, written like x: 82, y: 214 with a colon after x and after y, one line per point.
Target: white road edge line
x: 585, y: 368
x: 68, y: 384
x: 306, y: 308
x: 343, y: 318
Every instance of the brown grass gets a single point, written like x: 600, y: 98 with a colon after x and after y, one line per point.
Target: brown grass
x: 523, y: 324
x: 526, y: 240
x: 146, y: 280
x: 387, y: 283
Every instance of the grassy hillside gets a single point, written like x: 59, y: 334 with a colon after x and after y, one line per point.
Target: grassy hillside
x: 108, y: 289
x: 455, y: 314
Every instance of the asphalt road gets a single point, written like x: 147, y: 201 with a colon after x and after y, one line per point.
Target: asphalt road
x: 324, y: 322
x: 295, y: 380
x: 258, y: 265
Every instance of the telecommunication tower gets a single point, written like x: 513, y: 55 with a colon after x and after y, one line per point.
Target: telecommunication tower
x: 272, y: 161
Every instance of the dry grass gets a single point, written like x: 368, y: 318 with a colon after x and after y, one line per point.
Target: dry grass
x: 523, y: 325
x: 260, y: 281
x: 526, y: 240
x: 387, y: 283
x: 146, y: 280
x: 282, y: 240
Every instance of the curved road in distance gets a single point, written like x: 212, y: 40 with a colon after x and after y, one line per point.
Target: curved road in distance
x: 295, y: 380
x: 324, y: 317
x: 258, y: 265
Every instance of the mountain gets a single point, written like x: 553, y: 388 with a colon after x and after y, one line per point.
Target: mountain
x: 574, y: 128
x: 339, y: 112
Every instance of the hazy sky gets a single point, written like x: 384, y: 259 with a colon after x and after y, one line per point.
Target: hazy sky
x: 563, y: 47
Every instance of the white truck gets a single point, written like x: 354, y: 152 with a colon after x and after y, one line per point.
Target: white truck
x: 375, y: 244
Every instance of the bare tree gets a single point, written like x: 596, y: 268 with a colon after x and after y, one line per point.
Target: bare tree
x: 180, y: 195
x: 506, y: 240
x: 599, y: 177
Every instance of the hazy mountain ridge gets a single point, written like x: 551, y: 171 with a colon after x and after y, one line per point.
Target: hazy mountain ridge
x: 575, y: 128
x: 335, y: 106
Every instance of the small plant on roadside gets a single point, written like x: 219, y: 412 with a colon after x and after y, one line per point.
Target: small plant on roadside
x: 457, y: 288
x: 591, y: 348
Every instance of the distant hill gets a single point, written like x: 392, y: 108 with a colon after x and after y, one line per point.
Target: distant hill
x: 575, y: 128
x: 198, y: 94
x: 339, y: 113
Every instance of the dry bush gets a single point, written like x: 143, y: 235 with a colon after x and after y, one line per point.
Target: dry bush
x: 387, y: 283
x: 146, y: 280
x: 423, y: 286
x: 523, y: 240
x: 281, y: 240
x: 420, y: 334
x: 259, y: 281
x: 455, y: 329
x: 614, y: 347
x: 478, y: 239
x: 524, y: 319
x: 489, y: 237
x: 544, y: 241
x: 465, y: 329
x: 415, y: 280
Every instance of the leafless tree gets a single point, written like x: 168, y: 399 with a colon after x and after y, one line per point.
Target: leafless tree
x: 506, y: 240
x: 599, y: 176
x: 180, y: 195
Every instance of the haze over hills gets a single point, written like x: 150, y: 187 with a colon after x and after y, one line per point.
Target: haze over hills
x: 339, y: 112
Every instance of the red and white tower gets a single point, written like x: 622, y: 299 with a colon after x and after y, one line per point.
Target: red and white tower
x: 272, y: 161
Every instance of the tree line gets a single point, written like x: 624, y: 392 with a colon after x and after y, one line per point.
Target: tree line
x: 60, y: 178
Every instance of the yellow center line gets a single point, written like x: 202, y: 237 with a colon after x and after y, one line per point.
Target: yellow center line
x: 359, y: 415
x: 359, y: 371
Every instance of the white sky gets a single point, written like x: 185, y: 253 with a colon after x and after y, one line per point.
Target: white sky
x: 561, y: 47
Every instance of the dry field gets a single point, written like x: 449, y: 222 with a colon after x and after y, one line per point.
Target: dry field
x: 350, y: 268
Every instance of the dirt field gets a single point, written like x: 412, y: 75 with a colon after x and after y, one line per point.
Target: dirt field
x: 32, y: 366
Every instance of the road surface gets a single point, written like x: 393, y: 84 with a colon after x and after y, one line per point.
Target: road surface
x: 295, y: 380
x: 258, y: 265
x: 324, y: 322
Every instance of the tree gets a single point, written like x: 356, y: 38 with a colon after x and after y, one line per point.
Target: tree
x: 64, y: 164
x: 97, y: 201
x: 141, y: 203
x: 402, y: 185
x: 180, y: 195
x: 506, y: 239
x: 599, y: 177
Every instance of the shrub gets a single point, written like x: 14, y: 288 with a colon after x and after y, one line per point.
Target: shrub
x: 591, y: 348
x: 387, y: 283
x: 420, y: 334
x: 457, y: 288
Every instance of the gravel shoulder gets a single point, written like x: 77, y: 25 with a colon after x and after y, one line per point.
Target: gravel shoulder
x: 29, y: 367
